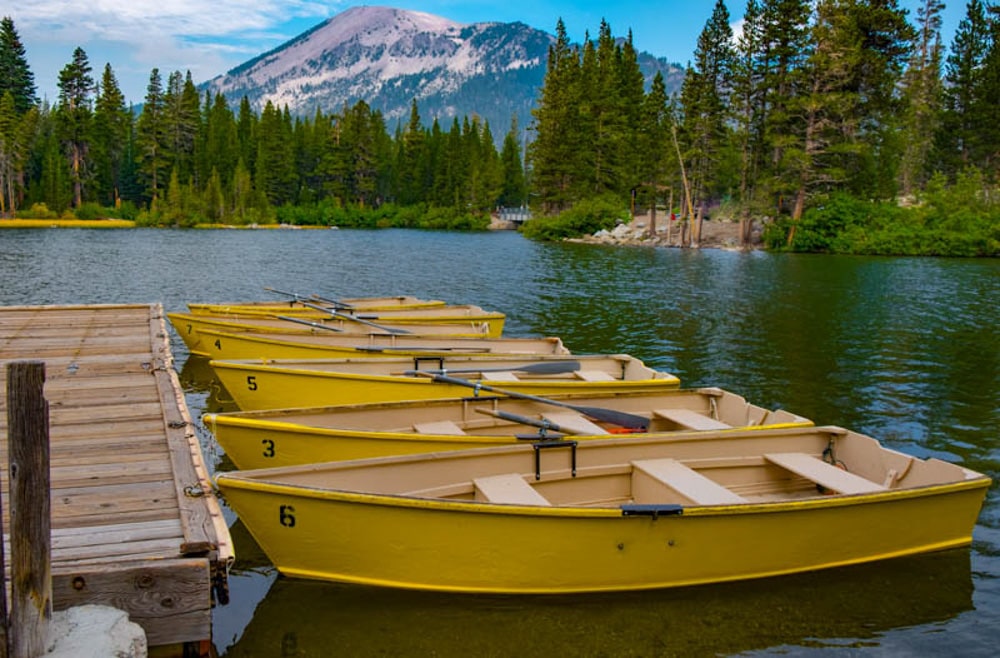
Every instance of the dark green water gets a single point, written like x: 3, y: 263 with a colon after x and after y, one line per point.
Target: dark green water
x: 907, y: 350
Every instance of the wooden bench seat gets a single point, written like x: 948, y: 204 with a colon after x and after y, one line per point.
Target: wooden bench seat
x: 505, y: 376
x: 594, y: 376
x: 508, y: 488
x: 438, y: 427
x: 691, y: 420
x: 823, y: 474
x: 650, y: 476
x: 573, y: 423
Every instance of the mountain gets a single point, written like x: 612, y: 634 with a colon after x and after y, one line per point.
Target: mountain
x: 388, y: 57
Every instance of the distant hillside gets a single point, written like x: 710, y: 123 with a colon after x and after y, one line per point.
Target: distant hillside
x: 387, y: 57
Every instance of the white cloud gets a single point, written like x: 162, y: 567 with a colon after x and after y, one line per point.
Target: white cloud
x: 204, y: 36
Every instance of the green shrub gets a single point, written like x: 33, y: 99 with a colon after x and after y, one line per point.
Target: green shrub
x: 38, y: 211
x: 91, y: 211
x: 584, y: 218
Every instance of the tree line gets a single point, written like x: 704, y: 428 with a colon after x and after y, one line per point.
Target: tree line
x: 815, y: 105
x: 184, y: 159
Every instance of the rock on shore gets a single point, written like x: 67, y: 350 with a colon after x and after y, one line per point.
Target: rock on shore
x: 714, y: 234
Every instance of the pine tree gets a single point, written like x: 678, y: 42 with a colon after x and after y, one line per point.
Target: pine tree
x: 112, y: 124
x: 15, y: 75
x: 220, y: 147
x: 958, y: 137
x: 886, y: 44
x: 514, y: 190
x: 630, y: 98
x: 653, y: 138
x: 785, y: 46
x: 274, y: 171
x: 151, y: 141
x: 555, y: 149
x: 8, y: 154
x: 705, y: 97
x: 181, y: 117
x: 412, y: 165
x: 74, y: 116
x: 986, y: 108
x: 748, y: 102
x: 922, y: 97
x: 246, y: 134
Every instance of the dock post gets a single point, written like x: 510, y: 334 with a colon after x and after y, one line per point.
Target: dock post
x: 30, y: 509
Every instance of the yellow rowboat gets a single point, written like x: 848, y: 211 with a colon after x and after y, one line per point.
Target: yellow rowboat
x: 276, y: 383
x: 618, y: 514
x: 283, y: 437
x: 189, y: 327
x: 326, y: 345
x: 298, y: 302
x: 488, y: 323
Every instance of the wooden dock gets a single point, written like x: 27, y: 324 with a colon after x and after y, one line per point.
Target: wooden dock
x: 135, y: 522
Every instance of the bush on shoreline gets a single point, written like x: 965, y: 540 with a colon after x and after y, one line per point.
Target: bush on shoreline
x: 584, y: 218
x: 962, y: 220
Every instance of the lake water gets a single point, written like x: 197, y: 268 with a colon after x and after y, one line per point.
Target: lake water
x: 907, y: 350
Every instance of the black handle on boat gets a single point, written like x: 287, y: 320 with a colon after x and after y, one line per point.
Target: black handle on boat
x: 620, y: 418
x: 352, y: 318
x: 542, y: 368
x: 308, y: 323
x: 296, y: 297
x: 333, y: 302
x: 544, y: 425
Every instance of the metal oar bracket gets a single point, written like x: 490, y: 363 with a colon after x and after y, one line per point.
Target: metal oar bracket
x: 546, y: 445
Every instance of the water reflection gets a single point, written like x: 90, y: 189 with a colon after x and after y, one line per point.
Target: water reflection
x: 302, y: 618
x: 906, y: 350
x: 197, y: 376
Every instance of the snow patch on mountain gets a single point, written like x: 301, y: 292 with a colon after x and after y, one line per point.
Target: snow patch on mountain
x: 389, y: 57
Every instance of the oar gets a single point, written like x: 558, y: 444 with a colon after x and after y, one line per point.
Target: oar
x: 542, y: 368
x: 621, y: 418
x: 352, y: 318
x: 315, y: 325
x: 333, y: 302
x: 407, y: 348
x: 296, y: 297
x: 543, y: 425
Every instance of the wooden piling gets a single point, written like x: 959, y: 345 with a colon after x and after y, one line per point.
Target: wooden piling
x: 30, y: 509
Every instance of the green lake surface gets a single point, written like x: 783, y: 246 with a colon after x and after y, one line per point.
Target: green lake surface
x: 906, y: 350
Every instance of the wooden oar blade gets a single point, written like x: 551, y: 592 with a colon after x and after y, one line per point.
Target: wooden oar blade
x: 620, y: 418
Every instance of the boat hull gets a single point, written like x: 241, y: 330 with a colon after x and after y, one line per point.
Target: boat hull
x: 235, y: 345
x: 471, y: 547
x: 288, y: 437
x: 191, y: 329
x: 488, y: 323
x: 402, y: 302
x: 277, y: 385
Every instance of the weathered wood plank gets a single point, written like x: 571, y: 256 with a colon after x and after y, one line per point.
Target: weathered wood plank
x: 125, y: 460
x: 170, y: 599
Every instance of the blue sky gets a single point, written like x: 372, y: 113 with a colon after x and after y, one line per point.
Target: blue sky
x: 208, y: 37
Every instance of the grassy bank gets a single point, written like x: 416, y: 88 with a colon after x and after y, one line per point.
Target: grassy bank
x: 66, y: 223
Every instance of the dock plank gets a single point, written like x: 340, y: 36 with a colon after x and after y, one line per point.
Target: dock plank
x: 124, y: 462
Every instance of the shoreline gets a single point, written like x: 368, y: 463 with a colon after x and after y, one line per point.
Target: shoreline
x: 714, y: 235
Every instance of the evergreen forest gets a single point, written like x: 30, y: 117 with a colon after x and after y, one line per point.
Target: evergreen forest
x: 843, y: 126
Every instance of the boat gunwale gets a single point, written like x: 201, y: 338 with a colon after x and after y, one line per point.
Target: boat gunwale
x: 667, y: 379
x: 252, y: 482
x: 234, y: 420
